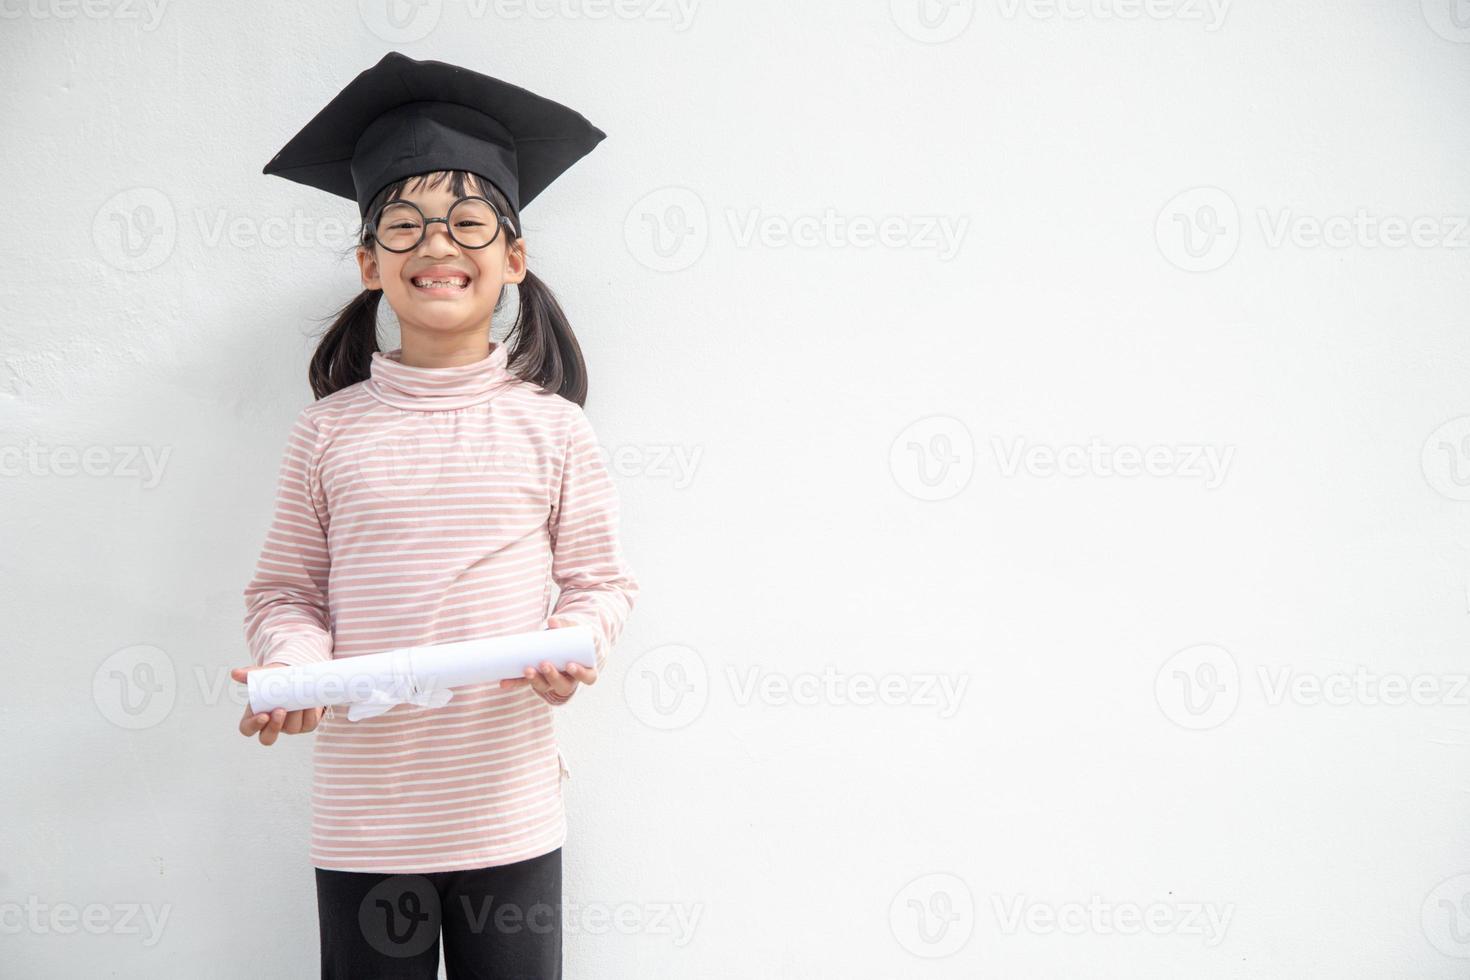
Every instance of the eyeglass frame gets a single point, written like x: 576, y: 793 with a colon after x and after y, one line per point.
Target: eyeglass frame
x: 372, y: 226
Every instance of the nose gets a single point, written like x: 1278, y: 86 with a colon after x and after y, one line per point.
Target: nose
x: 437, y: 240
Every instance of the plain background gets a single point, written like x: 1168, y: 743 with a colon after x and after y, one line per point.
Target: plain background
x: 1177, y: 693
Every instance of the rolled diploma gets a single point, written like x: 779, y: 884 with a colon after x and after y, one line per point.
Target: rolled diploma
x: 410, y: 672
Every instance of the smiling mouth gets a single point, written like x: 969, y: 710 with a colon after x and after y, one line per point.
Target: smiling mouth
x: 449, y: 284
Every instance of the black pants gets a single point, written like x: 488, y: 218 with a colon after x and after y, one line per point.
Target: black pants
x: 500, y: 923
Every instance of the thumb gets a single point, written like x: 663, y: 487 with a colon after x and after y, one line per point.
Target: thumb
x: 238, y: 673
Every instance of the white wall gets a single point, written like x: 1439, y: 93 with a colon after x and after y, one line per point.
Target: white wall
x: 1090, y: 761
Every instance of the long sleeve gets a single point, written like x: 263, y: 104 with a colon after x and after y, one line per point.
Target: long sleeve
x: 598, y: 588
x: 286, y: 615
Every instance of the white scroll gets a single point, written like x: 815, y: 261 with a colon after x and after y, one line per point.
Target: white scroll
x: 372, y: 683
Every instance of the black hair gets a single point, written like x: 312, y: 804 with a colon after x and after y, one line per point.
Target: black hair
x: 543, y: 349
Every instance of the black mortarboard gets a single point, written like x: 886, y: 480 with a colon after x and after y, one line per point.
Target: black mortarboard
x: 403, y: 117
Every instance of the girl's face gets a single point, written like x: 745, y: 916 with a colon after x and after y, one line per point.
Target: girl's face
x: 442, y: 310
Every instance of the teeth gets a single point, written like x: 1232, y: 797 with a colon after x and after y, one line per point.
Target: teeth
x: 432, y: 283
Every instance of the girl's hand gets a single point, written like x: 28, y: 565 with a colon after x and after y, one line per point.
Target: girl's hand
x: 268, y: 726
x: 559, y: 683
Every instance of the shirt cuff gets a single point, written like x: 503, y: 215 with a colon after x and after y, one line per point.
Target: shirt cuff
x: 298, y: 650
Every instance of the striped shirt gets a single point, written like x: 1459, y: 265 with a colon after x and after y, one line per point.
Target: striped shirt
x: 432, y: 505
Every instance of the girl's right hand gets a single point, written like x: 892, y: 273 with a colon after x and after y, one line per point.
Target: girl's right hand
x: 268, y: 726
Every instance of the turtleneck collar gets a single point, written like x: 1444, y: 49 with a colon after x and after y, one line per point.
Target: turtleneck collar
x: 423, y: 389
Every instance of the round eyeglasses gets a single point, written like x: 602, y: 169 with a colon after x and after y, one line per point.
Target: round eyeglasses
x: 472, y: 222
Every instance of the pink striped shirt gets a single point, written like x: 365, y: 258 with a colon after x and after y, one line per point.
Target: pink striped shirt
x: 430, y: 505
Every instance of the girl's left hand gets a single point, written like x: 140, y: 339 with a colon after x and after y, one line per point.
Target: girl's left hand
x: 548, y: 678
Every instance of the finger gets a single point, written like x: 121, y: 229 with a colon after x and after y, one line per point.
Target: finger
x: 238, y: 673
x: 556, y: 682
x: 293, y: 723
x: 251, y: 725
x: 561, y: 683
x: 511, y: 682
x: 583, y: 675
x: 534, y: 678
x: 306, y: 722
x: 273, y: 727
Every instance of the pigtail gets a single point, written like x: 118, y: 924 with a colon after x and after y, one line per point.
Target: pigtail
x: 345, y: 354
x: 545, y: 351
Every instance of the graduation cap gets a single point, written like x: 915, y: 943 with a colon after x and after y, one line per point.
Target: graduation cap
x: 403, y: 117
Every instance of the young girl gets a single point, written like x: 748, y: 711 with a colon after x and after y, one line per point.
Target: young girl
x: 433, y: 493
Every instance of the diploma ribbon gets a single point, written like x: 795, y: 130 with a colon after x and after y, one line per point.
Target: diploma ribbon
x: 404, y: 692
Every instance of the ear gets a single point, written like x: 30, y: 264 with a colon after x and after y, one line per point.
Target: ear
x: 367, y: 264
x: 515, y: 259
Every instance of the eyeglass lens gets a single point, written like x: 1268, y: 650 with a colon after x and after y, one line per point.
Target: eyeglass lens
x: 473, y: 223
